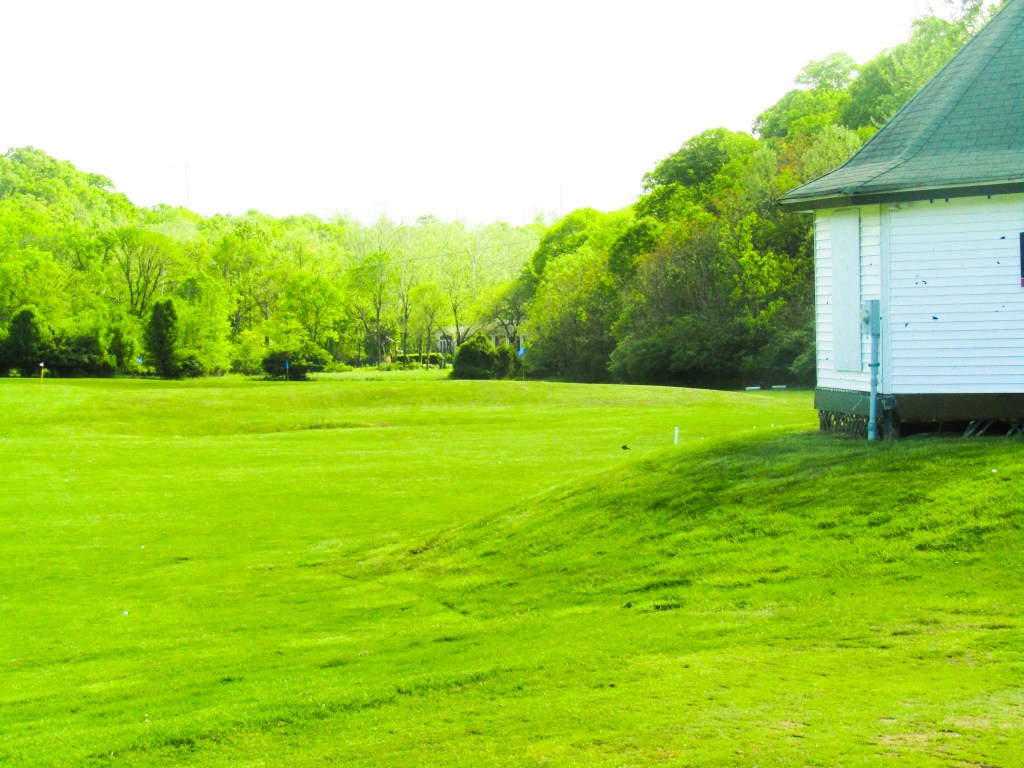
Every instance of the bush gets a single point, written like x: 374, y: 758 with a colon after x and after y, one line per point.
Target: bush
x: 479, y: 359
x: 429, y: 358
x: 82, y: 355
x: 300, y: 364
x: 125, y: 345
x: 192, y: 366
x: 248, y: 352
x: 505, y: 362
x: 338, y: 368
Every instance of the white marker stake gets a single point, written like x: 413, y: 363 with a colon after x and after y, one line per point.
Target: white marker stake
x: 675, y: 440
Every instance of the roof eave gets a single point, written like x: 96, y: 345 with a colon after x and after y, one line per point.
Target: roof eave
x: 848, y: 199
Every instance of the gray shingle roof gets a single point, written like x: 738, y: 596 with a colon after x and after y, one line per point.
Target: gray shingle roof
x: 962, y: 134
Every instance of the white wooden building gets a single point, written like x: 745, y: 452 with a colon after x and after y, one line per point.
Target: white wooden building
x: 928, y: 219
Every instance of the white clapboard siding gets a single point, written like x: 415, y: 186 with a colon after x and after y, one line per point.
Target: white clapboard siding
x: 871, y: 275
x: 955, y: 308
x: 835, y: 342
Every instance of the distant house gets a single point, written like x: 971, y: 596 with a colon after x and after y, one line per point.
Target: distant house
x: 444, y: 338
x: 928, y: 219
x: 444, y: 341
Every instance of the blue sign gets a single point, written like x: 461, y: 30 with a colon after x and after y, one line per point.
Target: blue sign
x: 521, y: 352
x: 286, y: 365
x: 139, y: 360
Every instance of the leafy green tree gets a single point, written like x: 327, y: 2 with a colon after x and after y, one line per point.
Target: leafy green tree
x: 684, y: 177
x: 316, y: 303
x: 833, y: 73
x: 700, y: 159
x: 571, y: 318
x: 832, y: 147
x: 144, y: 262
x: 162, y: 340
x: 440, y: 253
x: 815, y: 105
x: 500, y: 250
x: 248, y: 352
x: 371, y: 299
x: 456, y: 280
x: 640, y: 238
x: 468, y: 264
x: 683, y: 304
x: 567, y: 235
x: 890, y: 79
x: 32, y: 273
x: 70, y: 195
x: 506, y: 305
x: 203, y: 309
x: 244, y: 258
x: 32, y: 277
x: 430, y: 314
x: 577, y: 298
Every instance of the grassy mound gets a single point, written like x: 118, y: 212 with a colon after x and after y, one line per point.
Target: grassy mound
x: 794, y: 601
x: 760, y: 599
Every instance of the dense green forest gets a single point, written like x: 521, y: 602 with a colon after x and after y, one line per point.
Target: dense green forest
x: 703, y: 281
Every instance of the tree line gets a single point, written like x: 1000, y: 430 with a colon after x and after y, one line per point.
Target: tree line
x: 703, y: 281
x: 91, y: 284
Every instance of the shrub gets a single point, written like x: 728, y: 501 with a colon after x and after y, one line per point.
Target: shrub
x: 248, y: 352
x: 478, y: 359
x: 427, y: 358
x: 82, y: 355
x: 300, y: 363
x: 193, y: 366
x: 504, y: 362
x: 125, y: 345
x: 338, y: 368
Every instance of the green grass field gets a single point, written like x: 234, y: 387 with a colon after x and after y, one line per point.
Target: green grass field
x: 411, y: 571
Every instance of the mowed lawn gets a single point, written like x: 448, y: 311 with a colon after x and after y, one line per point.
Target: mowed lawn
x: 411, y: 571
x: 362, y: 459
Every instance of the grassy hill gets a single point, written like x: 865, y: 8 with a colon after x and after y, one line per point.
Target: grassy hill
x: 403, y: 573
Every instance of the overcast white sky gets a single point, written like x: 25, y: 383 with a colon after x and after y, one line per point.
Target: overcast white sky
x: 482, y: 110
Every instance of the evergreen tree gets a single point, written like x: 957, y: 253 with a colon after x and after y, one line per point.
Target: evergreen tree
x: 27, y: 344
x: 162, y: 340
